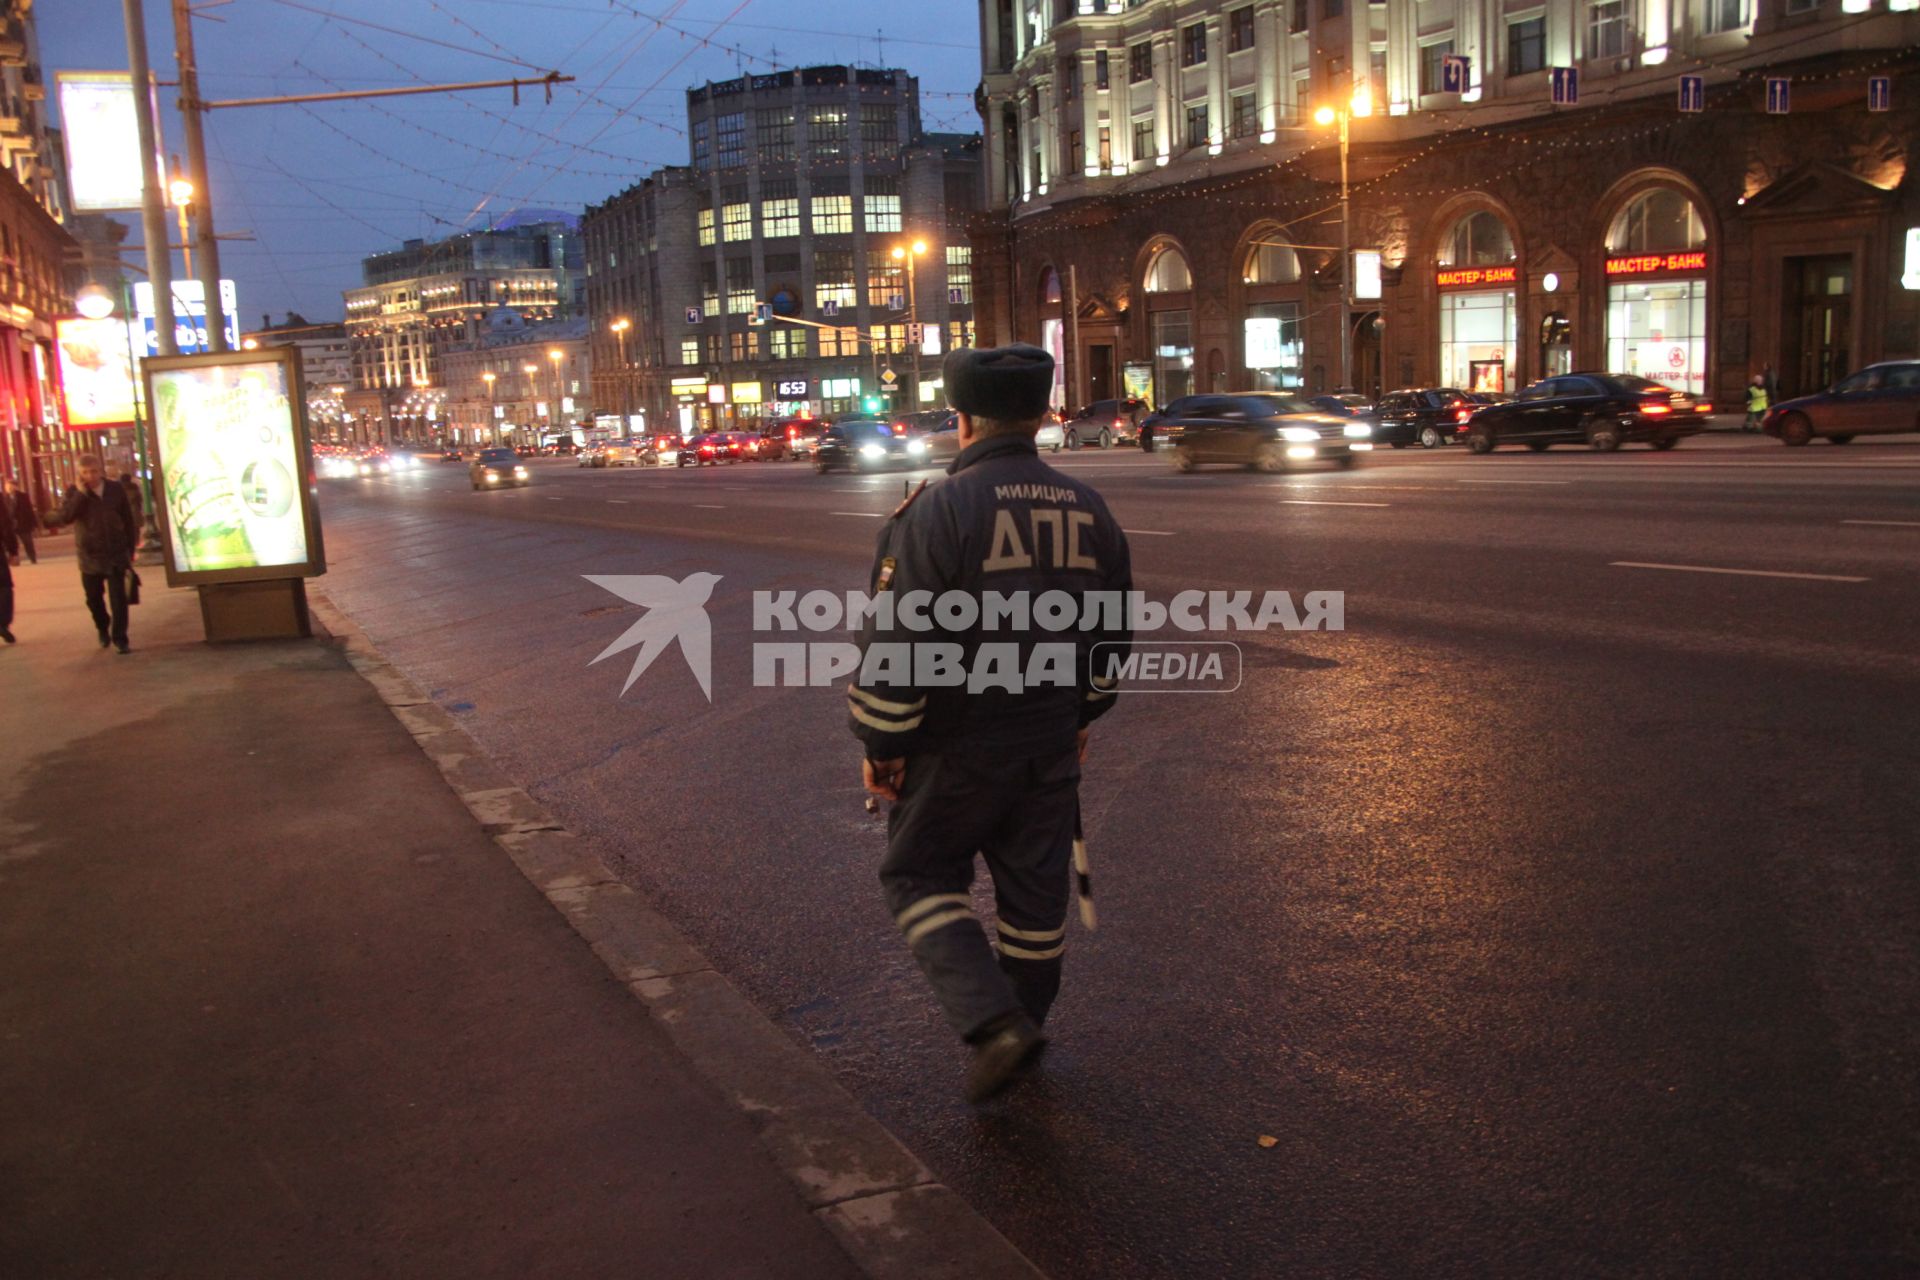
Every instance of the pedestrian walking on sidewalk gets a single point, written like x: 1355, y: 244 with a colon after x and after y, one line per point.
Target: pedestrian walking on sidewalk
x: 992, y: 771
x: 1756, y: 403
x: 9, y: 557
x: 25, y: 519
x: 104, y: 538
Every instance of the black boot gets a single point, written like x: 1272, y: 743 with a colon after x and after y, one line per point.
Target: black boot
x: 1004, y: 1052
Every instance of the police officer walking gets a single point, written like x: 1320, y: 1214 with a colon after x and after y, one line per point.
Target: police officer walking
x: 989, y: 766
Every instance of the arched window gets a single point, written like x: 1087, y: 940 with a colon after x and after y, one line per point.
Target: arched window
x: 1477, y: 240
x: 1269, y: 263
x: 1168, y: 273
x: 1658, y: 221
x: 1050, y: 287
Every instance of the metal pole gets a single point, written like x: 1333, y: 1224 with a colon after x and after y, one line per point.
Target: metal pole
x: 153, y: 216
x: 1346, y: 264
x: 142, y: 454
x: 913, y: 318
x: 191, y: 110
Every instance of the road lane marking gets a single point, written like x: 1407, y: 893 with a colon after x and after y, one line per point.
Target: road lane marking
x: 1516, y: 482
x: 618, y: 502
x: 1148, y: 533
x: 874, y: 514
x: 556, y: 499
x: 1894, y: 524
x: 709, y: 506
x: 1315, y: 502
x: 1743, y: 573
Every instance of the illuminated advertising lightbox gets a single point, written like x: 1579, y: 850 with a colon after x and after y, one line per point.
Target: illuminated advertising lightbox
x: 231, y: 462
x: 1647, y: 264
x: 96, y: 371
x: 1366, y: 274
x: 746, y: 393
x: 1475, y: 277
x: 791, y: 389
x: 189, y: 316
x: 103, y: 139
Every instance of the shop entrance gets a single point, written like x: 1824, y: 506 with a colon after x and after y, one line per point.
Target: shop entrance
x: 1556, y: 345
x: 1818, y: 330
x: 1366, y: 354
x: 1100, y: 384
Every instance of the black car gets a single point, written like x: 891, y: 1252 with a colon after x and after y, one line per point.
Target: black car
x: 1428, y: 417
x: 1262, y: 430
x: 496, y: 468
x: 864, y: 445
x: 1600, y: 410
x: 1341, y: 403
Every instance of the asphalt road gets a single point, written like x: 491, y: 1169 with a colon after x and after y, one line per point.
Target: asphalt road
x: 1556, y: 918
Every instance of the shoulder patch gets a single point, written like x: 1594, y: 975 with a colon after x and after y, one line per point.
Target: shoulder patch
x: 884, y: 580
x: 908, y: 500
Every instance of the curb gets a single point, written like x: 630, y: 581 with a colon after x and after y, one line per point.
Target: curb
x: 883, y: 1207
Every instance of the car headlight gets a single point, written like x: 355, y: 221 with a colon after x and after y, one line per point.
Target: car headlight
x: 1299, y: 435
x: 872, y: 451
x: 916, y: 446
x: 365, y: 470
x: 520, y: 471
x: 1359, y: 431
x: 1300, y: 451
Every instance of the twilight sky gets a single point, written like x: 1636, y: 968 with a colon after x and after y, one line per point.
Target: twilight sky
x: 322, y: 185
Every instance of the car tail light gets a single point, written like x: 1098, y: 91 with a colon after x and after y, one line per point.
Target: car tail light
x: 1462, y: 414
x: 1654, y: 408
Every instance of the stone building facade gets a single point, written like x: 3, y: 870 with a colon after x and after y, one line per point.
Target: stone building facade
x: 1499, y: 238
x: 801, y: 186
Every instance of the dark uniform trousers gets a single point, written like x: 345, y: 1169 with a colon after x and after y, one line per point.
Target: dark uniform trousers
x: 6, y: 594
x: 104, y: 589
x: 1019, y: 814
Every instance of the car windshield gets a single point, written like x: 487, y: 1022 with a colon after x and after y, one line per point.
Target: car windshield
x: 1630, y: 382
x: 1273, y: 406
x: 496, y: 455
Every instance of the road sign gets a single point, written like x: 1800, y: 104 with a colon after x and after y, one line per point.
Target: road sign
x: 1564, y: 83
x: 957, y: 297
x: 830, y: 308
x: 1693, y: 93
x: 1455, y: 74
x: 888, y: 377
x: 1879, y: 93
x: 693, y: 315
x: 1779, y: 95
x: 896, y: 302
x: 762, y: 313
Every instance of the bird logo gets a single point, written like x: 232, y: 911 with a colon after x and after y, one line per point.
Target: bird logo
x: 675, y: 611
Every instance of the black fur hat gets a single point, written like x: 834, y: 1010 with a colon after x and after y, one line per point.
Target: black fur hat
x: 1008, y: 384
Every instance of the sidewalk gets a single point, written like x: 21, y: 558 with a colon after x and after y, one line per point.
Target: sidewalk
x: 276, y: 1004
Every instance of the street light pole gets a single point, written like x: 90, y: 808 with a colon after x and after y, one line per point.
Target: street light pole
x: 153, y: 217
x: 910, y: 255
x: 1362, y: 106
x: 488, y: 378
x: 620, y: 328
x: 192, y: 109
x: 181, y: 192
x: 556, y: 355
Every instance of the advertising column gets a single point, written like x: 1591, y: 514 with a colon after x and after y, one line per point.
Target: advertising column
x: 232, y: 464
x: 1478, y: 326
x: 1657, y: 317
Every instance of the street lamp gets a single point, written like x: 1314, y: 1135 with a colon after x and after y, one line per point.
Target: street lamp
x: 488, y: 377
x: 908, y: 253
x: 620, y: 328
x: 1360, y: 108
x: 556, y: 355
x: 182, y: 192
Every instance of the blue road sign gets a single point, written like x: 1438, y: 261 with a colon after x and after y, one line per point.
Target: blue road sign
x: 830, y: 308
x: 1879, y: 93
x: 1455, y: 74
x: 693, y: 315
x: 762, y: 313
x: 896, y: 302
x: 1779, y: 95
x: 1693, y: 93
x: 957, y: 297
x: 1565, y: 84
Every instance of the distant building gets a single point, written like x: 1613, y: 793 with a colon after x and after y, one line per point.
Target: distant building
x: 419, y: 301
x: 519, y: 383
x: 325, y: 362
x: 761, y: 279
x: 35, y: 448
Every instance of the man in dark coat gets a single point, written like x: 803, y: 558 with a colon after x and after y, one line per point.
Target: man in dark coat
x: 25, y: 519
x: 104, y: 536
x: 9, y: 556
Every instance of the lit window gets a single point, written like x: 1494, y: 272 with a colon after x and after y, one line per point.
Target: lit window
x: 1169, y: 273
x: 960, y: 272
x: 736, y: 222
x: 705, y: 217
x: 827, y: 131
x: 833, y: 277
x: 740, y: 296
x: 882, y: 204
x: 690, y: 351
x: 832, y: 215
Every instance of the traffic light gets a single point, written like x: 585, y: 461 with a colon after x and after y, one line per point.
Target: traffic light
x: 871, y: 404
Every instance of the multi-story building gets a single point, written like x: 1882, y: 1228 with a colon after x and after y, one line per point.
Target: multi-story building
x: 421, y: 300
x: 1686, y: 189
x: 35, y: 447
x: 520, y: 384
x: 771, y: 275
x: 326, y: 363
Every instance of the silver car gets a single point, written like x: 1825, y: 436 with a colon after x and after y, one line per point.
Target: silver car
x: 1881, y: 399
